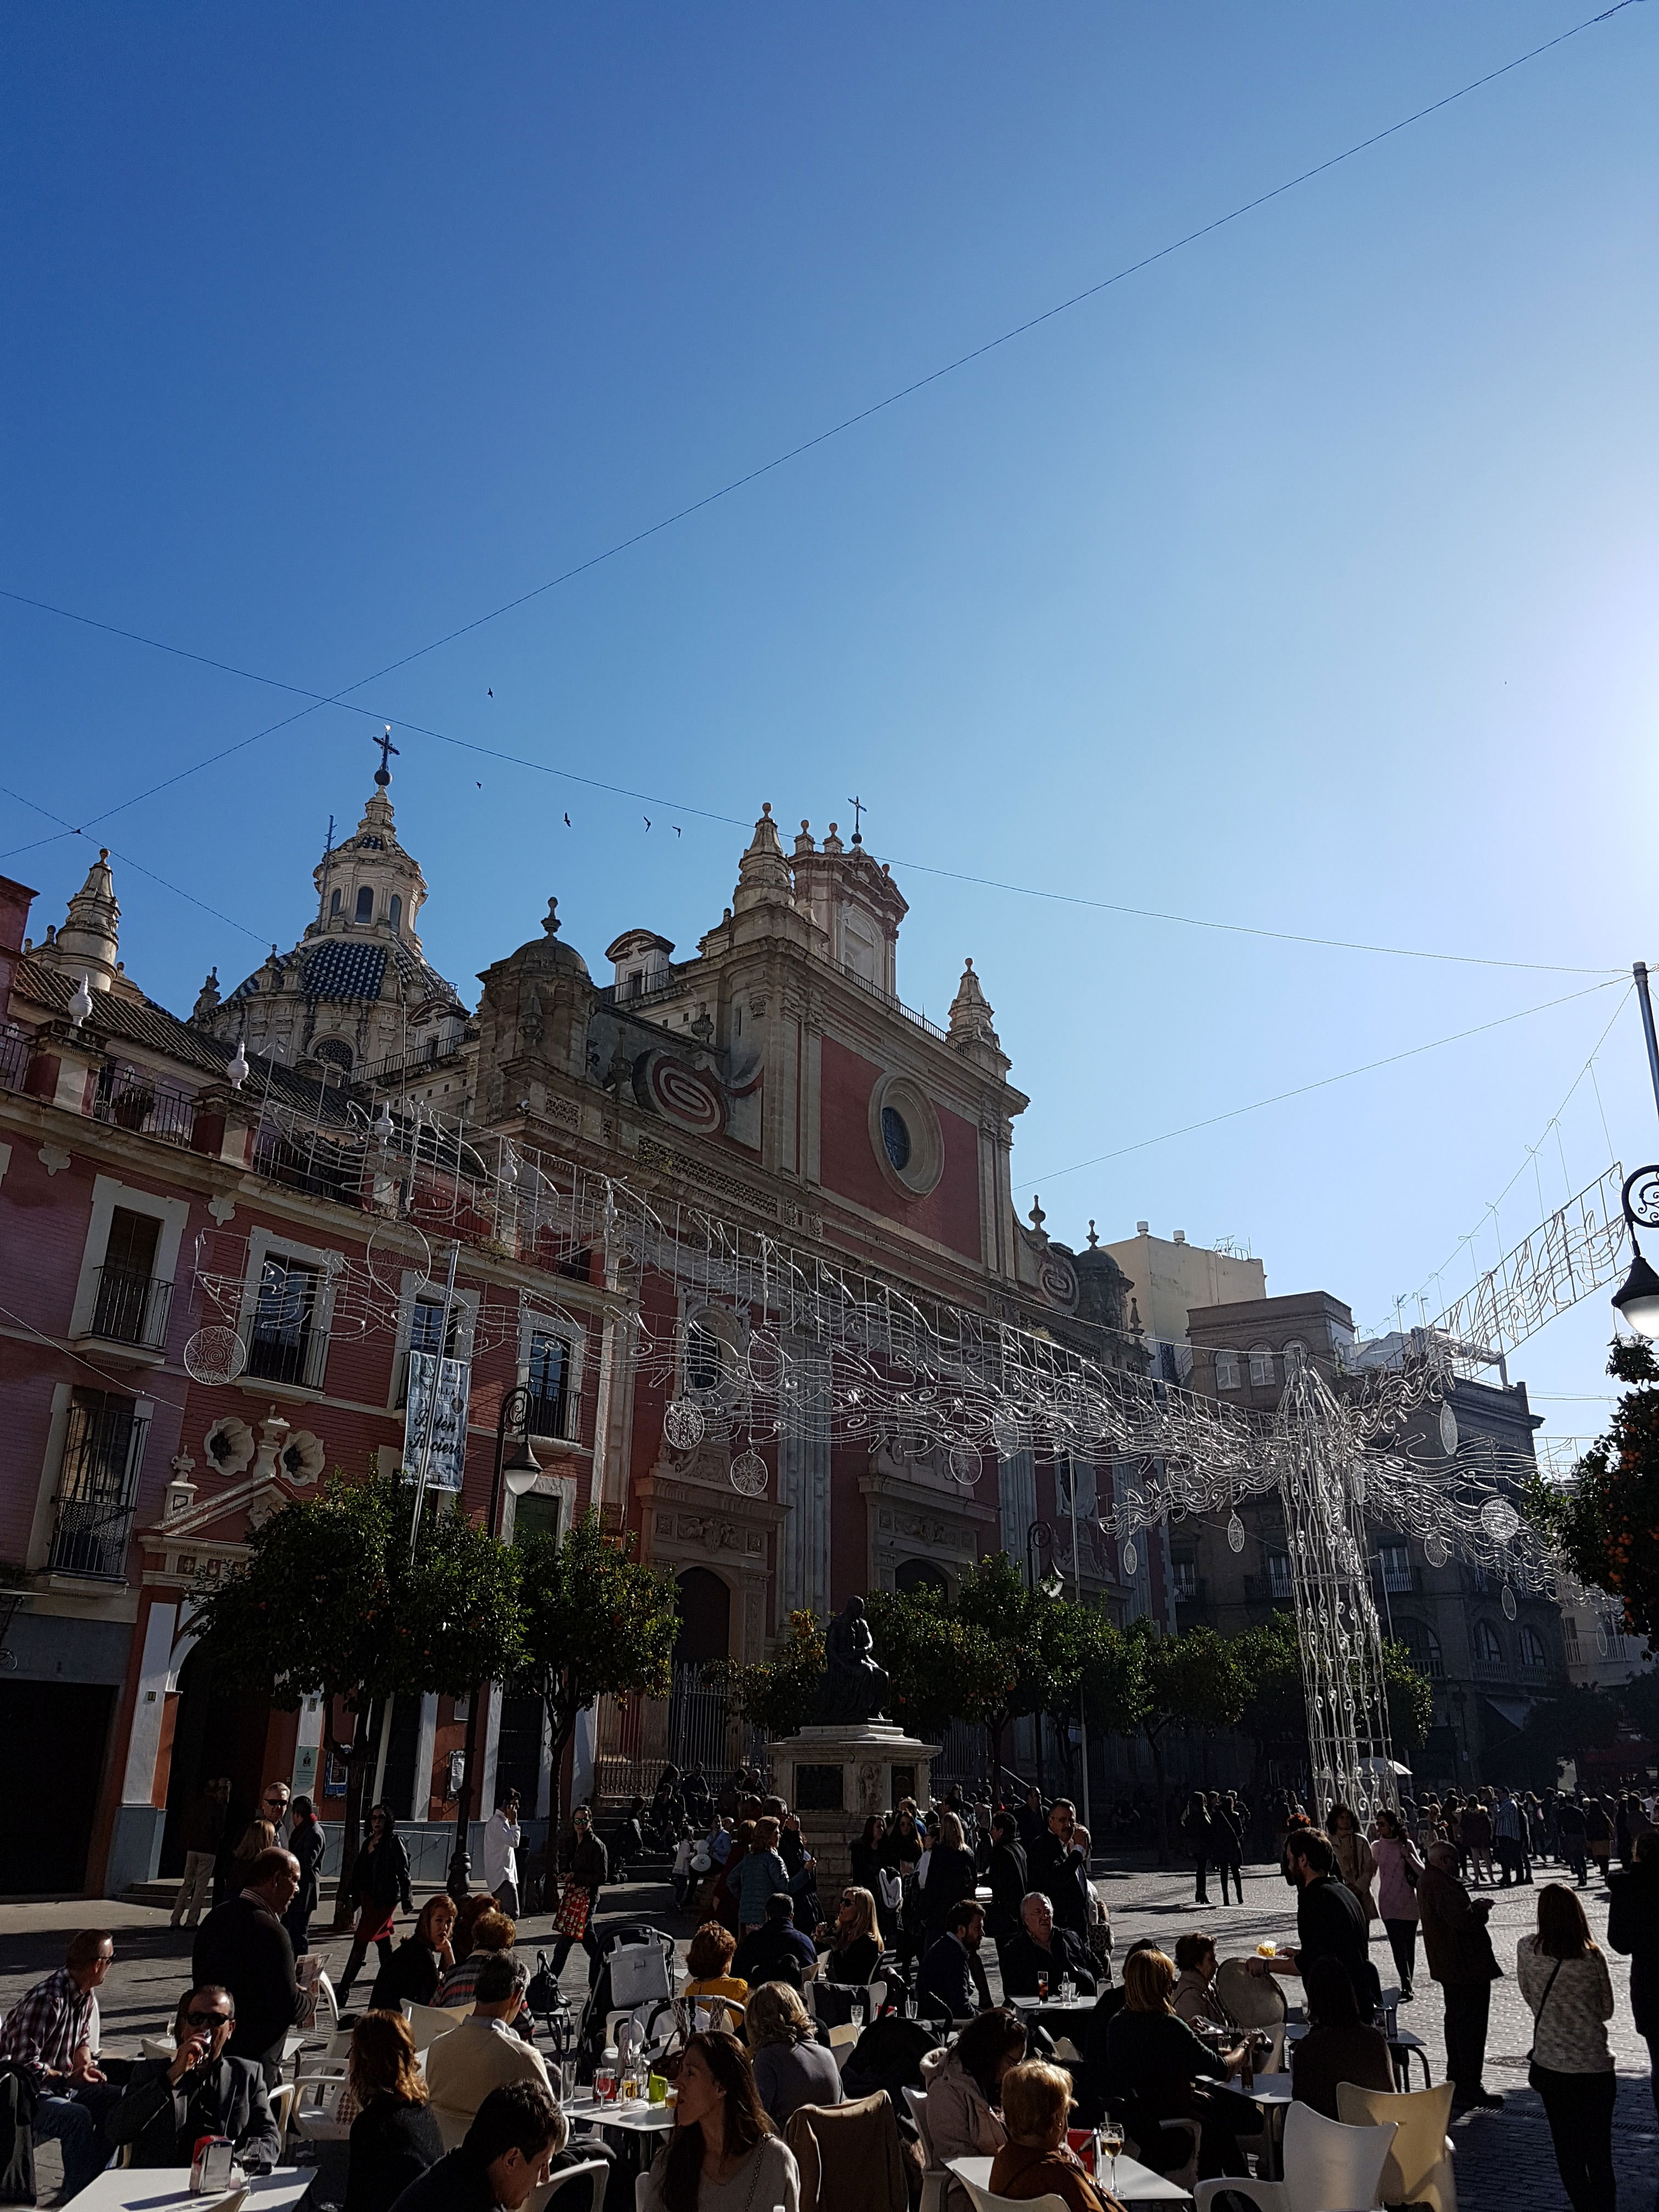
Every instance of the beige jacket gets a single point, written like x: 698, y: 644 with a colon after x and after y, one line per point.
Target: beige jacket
x: 1358, y: 1869
x: 463, y: 2067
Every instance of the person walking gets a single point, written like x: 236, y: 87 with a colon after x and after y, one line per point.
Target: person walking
x: 1006, y: 1875
x: 1598, y: 1834
x: 1353, y: 1858
x: 243, y: 1946
x: 586, y: 1868
x: 306, y: 1841
x: 378, y: 1886
x: 1569, y: 1836
x: 1508, y: 1838
x: 1227, y: 1826
x: 1474, y: 1831
x: 201, y: 1831
x: 501, y: 1837
x: 1399, y: 1871
x: 1459, y: 1954
x: 1564, y: 1978
x: 1195, y: 1826
x: 1633, y: 1929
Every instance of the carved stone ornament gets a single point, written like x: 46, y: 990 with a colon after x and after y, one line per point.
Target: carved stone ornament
x: 54, y: 1158
x: 229, y: 1445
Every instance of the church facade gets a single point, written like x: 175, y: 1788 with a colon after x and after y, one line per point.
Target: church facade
x: 220, y: 1284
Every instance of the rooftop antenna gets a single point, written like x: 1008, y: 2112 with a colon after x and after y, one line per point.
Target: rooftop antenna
x: 857, y: 807
x: 329, y: 844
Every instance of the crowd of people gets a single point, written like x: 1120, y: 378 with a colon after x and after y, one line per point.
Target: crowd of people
x: 936, y: 1894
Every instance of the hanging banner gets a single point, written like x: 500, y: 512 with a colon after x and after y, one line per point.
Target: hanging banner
x: 444, y: 1386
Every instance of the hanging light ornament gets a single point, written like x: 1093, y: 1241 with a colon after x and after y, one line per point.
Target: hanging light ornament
x: 1131, y: 1556
x: 1234, y: 1533
x: 1508, y: 1602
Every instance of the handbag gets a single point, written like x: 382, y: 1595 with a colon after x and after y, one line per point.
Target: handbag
x: 574, y: 1904
x: 892, y: 1889
x: 1531, y: 2059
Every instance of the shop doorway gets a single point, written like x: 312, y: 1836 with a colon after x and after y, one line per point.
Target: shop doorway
x: 43, y: 1850
x: 216, y: 1730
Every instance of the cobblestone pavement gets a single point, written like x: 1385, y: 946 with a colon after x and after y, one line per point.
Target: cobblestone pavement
x: 1505, y: 2159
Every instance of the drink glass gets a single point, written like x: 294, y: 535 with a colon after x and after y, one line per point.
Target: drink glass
x: 1111, y: 2141
x: 1043, y: 1988
x: 1067, y: 1989
x: 605, y: 2084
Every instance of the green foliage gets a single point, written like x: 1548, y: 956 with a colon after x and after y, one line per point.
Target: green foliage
x: 1275, y: 1711
x: 1607, y: 1522
x: 940, y: 1667
x: 595, y: 1623
x: 1141, y: 1682
x: 776, y: 1694
x: 330, y: 1603
x: 1411, y: 1698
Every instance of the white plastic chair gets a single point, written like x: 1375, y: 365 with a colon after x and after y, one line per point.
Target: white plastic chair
x: 984, y: 2202
x: 1418, y: 2167
x: 1329, y: 2167
x: 578, y: 2189
x: 282, y: 2106
x: 935, y: 2181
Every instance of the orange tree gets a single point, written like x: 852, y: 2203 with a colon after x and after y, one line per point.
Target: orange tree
x: 332, y: 1603
x: 1606, y: 1521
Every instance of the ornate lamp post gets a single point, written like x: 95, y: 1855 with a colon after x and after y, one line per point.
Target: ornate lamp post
x: 1040, y: 1537
x: 1637, y: 1297
x: 517, y: 1475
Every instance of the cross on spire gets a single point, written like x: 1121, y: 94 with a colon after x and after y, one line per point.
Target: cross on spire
x: 383, y: 773
x: 857, y: 805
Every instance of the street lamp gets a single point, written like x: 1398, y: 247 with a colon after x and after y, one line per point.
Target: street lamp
x: 517, y: 1474
x: 1637, y: 1297
x: 1040, y: 1536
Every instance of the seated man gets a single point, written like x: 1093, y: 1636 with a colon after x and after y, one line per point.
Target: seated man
x: 776, y: 1951
x: 47, y: 2037
x: 482, y: 2053
x: 507, y: 2154
x: 170, y: 2103
x: 952, y: 1979
x: 1040, y: 1947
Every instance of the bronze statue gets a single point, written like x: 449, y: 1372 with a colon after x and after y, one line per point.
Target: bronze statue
x: 854, y: 1687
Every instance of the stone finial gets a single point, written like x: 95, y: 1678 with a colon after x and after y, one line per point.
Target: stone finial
x: 89, y: 941
x: 1036, y: 1215
x: 804, y: 843
x: 1093, y: 1239
x: 207, y: 999
x: 763, y: 878
x: 551, y: 925
x: 1136, y: 1325
x: 970, y: 1012
x: 832, y: 843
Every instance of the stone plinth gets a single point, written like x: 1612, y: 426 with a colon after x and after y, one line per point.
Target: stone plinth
x: 837, y: 1777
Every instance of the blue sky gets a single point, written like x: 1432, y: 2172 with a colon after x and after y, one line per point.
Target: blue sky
x: 1304, y: 580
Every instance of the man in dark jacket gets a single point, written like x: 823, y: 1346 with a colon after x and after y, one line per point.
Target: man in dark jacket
x: 1041, y: 1947
x: 243, y: 1946
x: 1460, y: 1955
x: 1007, y: 1877
x: 1633, y: 1928
x: 776, y: 1951
x: 170, y: 2104
x: 1330, y: 1920
x: 953, y: 1980
x: 507, y: 2154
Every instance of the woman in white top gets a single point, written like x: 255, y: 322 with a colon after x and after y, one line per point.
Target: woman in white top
x: 724, y: 2155
x: 1564, y: 1978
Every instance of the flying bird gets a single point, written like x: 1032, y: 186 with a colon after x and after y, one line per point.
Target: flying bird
x: 645, y: 819
x: 676, y: 829
x: 491, y: 693
x: 566, y: 821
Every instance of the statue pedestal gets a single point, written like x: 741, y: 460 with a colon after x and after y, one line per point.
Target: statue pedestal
x: 835, y: 1777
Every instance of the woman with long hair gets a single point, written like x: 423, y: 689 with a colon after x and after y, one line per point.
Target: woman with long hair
x: 964, y: 2092
x: 724, y: 2155
x: 950, y: 1876
x: 1354, y: 1861
x: 1564, y: 1980
x: 379, y: 1884
x: 1398, y: 1867
x: 792, y: 2066
x: 853, y: 1943
x: 421, y: 1960
x: 394, y: 2137
x: 1155, y: 2064
x: 306, y: 1840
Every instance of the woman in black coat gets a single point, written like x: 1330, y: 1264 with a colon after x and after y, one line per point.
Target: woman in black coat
x: 952, y: 1876
x: 379, y: 1885
x: 1633, y: 1928
x: 394, y: 2138
x: 420, y: 1961
x: 306, y: 1841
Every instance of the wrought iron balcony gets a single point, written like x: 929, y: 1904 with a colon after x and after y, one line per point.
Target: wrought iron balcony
x: 131, y: 1308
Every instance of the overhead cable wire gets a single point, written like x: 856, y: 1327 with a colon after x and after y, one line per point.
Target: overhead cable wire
x: 804, y: 446
x: 127, y: 861
x: 1302, y: 1090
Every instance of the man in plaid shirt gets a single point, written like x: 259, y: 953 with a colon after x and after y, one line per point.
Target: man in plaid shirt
x: 47, y: 2035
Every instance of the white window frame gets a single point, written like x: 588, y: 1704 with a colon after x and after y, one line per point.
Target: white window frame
x: 414, y: 1290
x: 537, y: 1321
x: 52, y: 1468
x: 1226, y: 1370
x: 264, y: 1245
x: 1261, y: 1367
x: 107, y: 1192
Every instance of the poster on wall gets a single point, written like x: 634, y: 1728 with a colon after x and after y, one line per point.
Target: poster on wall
x: 438, y: 1390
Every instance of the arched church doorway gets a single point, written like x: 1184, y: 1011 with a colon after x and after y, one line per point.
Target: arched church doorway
x: 216, y: 1730
x: 913, y: 1577
x: 698, y: 1725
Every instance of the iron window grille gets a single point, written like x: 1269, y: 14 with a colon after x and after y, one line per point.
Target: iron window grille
x: 288, y: 1342
x: 97, y: 1485
x: 549, y: 1384
x: 131, y: 1306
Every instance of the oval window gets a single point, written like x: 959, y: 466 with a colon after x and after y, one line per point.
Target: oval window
x: 896, y: 1138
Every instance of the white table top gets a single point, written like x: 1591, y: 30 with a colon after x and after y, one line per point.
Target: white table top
x: 161, y: 2188
x: 1268, y: 2089
x: 1136, y: 2184
x: 1051, y: 2004
x: 635, y: 2113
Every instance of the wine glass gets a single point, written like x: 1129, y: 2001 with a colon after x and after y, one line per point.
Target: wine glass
x: 1111, y: 2141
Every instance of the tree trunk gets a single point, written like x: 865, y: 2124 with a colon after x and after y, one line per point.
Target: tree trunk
x: 1162, y: 1801
x: 357, y: 1759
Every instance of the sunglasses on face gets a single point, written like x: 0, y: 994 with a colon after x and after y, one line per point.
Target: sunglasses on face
x: 206, y: 2019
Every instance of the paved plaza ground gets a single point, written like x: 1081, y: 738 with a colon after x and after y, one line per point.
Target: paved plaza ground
x: 1504, y: 2159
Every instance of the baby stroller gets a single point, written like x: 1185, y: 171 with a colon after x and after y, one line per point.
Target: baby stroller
x: 636, y: 1978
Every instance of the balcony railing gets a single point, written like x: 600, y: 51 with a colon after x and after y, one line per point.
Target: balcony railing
x: 14, y: 1062
x: 131, y: 1308
x: 132, y: 1098
x: 98, y: 1487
